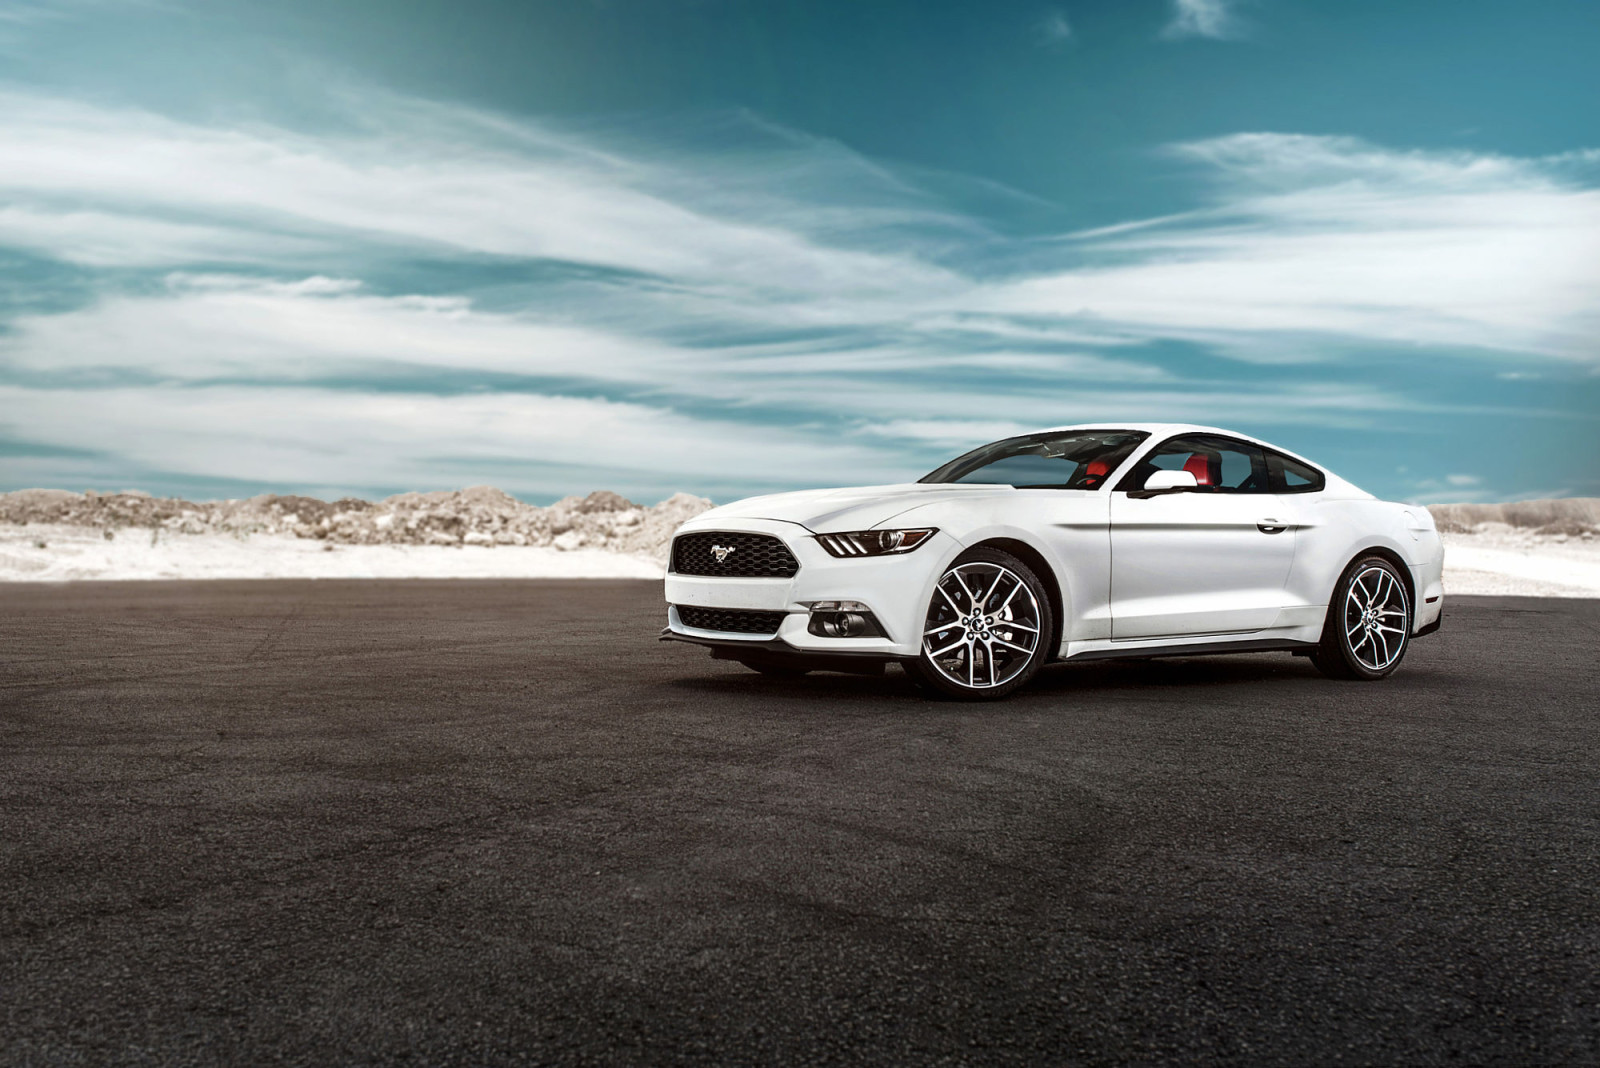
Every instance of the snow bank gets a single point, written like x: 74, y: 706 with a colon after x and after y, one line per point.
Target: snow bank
x: 1548, y: 548
x: 55, y: 553
x: 1497, y: 564
x: 472, y: 533
x: 1533, y: 548
x: 1572, y: 516
x: 477, y: 532
x: 480, y: 516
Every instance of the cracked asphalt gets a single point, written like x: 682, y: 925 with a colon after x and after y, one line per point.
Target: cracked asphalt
x: 498, y: 822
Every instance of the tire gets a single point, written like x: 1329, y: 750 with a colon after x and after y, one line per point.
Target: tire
x: 1368, y: 628
x: 983, y: 655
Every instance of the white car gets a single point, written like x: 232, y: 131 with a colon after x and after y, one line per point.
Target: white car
x: 1085, y: 542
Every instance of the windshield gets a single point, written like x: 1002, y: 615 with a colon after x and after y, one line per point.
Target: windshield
x: 1065, y: 459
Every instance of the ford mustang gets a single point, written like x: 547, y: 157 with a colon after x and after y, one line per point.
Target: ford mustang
x: 1086, y: 542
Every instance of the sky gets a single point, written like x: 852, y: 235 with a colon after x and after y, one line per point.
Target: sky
x: 738, y: 246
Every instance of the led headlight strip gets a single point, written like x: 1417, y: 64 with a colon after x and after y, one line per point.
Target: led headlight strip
x: 875, y: 542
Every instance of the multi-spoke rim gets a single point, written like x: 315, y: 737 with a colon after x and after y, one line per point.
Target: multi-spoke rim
x: 983, y: 625
x: 1375, y: 617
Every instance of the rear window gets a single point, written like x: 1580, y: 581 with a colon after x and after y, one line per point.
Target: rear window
x: 1291, y: 476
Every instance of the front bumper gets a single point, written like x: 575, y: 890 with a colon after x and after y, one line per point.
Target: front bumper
x: 895, y: 588
x: 778, y: 652
x: 1428, y: 580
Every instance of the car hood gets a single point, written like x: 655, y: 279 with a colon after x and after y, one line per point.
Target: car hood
x: 855, y: 508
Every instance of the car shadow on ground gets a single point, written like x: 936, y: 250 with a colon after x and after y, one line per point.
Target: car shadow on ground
x: 730, y: 681
x: 1060, y: 678
x: 1172, y: 671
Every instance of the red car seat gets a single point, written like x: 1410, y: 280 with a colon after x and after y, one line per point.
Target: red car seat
x: 1206, y: 467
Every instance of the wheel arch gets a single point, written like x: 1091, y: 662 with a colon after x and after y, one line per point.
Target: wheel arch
x: 1040, y: 566
x: 1392, y: 557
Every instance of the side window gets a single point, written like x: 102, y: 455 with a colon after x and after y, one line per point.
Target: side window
x: 1219, y: 465
x: 1292, y: 476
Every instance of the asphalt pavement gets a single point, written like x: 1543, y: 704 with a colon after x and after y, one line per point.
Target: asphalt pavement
x: 499, y: 822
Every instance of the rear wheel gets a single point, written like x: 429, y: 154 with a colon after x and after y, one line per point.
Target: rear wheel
x: 986, y: 628
x: 1368, y: 625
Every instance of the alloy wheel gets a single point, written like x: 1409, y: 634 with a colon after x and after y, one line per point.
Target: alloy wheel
x: 1375, y: 617
x: 984, y: 626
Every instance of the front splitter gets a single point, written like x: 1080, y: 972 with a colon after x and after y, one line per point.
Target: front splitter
x: 779, y: 653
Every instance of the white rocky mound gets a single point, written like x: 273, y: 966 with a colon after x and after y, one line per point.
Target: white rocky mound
x: 1535, y: 548
x: 477, y: 532
x: 1545, y: 548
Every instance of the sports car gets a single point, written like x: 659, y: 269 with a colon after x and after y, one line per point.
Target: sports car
x: 1132, y: 540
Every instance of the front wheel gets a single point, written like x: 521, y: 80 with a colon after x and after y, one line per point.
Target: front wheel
x: 987, y: 628
x: 1368, y: 624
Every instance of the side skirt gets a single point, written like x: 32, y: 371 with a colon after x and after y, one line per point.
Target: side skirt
x: 1245, y: 645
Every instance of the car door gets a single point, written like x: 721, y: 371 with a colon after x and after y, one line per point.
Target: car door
x: 1213, y: 560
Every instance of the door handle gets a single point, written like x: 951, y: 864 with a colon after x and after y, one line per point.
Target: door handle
x: 1271, y: 526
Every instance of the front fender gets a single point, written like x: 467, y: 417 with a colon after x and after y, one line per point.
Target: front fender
x: 1080, y: 587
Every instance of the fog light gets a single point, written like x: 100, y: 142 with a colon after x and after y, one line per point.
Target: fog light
x: 843, y: 619
x: 844, y: 625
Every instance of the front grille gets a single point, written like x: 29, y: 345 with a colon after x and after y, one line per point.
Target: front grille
x: 732, y: 620
x: 751, y: 556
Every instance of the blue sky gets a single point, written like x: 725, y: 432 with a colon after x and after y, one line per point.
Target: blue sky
x: 732, y: 246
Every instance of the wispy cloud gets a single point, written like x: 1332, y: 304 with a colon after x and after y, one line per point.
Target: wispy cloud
x: 1332, y: 238
x: 531, y: 444
x: 1054, y: 29
x: 423, y: 177
x: 281, y: 303
x: 1216, y: 19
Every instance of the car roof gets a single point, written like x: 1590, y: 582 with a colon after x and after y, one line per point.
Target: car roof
x: 1153, y: 429
x: 1161, y: 431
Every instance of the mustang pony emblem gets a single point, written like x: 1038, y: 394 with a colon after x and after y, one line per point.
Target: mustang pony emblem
x: 721, y: 552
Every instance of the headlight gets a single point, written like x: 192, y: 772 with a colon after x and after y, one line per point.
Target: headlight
x: 875, y: 542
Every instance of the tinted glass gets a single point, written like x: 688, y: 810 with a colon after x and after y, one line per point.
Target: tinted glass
x: 1219, y: 465
x: 1079, y: 459
x: 1291, y: 476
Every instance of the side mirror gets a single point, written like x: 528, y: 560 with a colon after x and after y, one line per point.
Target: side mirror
x: 1167, y: 482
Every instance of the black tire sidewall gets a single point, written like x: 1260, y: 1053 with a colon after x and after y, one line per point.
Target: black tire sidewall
x: 935, y: 683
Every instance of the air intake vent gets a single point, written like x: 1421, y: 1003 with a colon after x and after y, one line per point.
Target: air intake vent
x: 730, y: 555
x: 731, y: 620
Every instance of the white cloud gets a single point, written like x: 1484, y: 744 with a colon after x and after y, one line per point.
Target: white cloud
x: 785, y: 274
x: 246, y: 370
x: 1054, y: 29
x: 95, y: 238
x: 1340, y: 239
x: 287, y: 436
x: 1203, y: 18
x: 1306, y: 238
x: 209, y: 326
x: 446, y: 179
